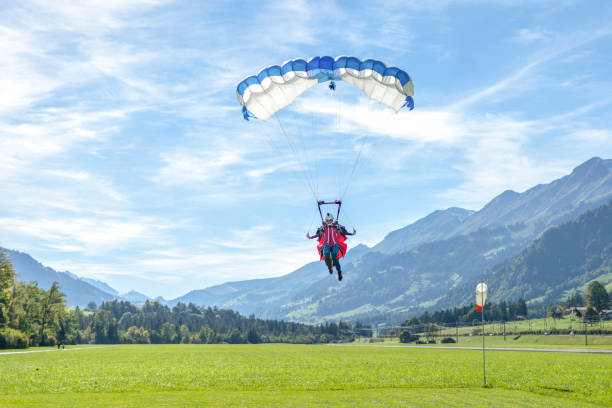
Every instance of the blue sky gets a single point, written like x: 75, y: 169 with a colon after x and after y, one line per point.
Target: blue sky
x: 124, y: 156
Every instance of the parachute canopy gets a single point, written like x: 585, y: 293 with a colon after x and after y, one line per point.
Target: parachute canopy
x: 277, y: 86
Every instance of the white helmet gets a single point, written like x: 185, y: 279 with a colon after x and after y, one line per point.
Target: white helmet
x: 329, y: 218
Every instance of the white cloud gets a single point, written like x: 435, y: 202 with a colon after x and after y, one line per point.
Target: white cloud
x: 183, y: 167
x: 526, y: 35
x: 93, y: 236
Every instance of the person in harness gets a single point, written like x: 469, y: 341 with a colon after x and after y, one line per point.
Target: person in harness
x: 331, y: 246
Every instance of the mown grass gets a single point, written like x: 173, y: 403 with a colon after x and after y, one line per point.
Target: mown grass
x: 529, y: 340
x: 533, y: 325
x: 296, y: 375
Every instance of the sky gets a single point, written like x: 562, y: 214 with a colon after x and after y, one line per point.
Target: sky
x: 124, y: 156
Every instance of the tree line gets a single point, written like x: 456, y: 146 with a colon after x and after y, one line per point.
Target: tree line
x: 467, y: 314
x: 595, y: 299
x: 31, y: 316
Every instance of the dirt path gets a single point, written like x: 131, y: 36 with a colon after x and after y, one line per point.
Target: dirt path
x: 49, y: 350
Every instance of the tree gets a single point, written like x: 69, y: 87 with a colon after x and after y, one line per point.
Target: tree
x: 597, y: 296
x: 168, y: 333
x: 184, y: 330
x: 575, y: 299
x: 7, y: 281
x: 590, y: 315
x: 105, y: 327
x: 92, y: 306
x: 52, y: 309
x: 235, y: 337
x: 430, y: 332
x: 407, y: 337
x: 556, y: 311
x: 253, y: 337
x: 521, y: 307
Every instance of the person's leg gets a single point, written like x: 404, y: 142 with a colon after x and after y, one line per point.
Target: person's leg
x: 334, y: 252
x: 327, y: 257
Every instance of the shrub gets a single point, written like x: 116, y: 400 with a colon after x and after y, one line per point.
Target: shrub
x: 11, y: 338
x: 421, y: 342
x: 448, y: 340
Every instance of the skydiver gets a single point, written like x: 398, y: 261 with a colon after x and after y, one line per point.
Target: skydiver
x: 331, y: 247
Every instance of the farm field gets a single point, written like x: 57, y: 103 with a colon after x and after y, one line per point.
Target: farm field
x: 542, y: 325
x: 532, y: 326
x: 529, y: 340
x: 300, y: 375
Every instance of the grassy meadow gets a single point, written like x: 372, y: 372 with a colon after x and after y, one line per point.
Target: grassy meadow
x: 301, y: 375
x: 511, y: 341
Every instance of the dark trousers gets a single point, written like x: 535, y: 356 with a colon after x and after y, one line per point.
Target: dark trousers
x: 334, y: 255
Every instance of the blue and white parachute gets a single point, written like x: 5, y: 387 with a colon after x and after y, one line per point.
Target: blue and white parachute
x: 277, y: 86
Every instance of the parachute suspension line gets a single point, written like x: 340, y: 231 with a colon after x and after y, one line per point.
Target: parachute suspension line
x: 276, y: 147
x: 350, y: 223
x: 300, y: 147
x: 300, y: 160
x: 350, y: 174
x: 357, y: 161
x: 314, y: 215
x: 315, y: 162
x: 338, y: 103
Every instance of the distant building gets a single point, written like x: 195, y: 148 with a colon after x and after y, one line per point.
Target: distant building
x: 575, y: 311
x: 606, y: 314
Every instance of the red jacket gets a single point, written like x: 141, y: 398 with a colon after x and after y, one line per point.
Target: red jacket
x: 333, y: 234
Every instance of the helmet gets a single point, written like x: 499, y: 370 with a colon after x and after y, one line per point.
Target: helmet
x: 329, y: 218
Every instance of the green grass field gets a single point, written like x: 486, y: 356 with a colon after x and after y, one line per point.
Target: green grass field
x: 300, y: 375
x: 542, y: 325
x: 511, y: 341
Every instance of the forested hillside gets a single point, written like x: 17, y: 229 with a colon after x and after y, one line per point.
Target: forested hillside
x: 564, y: 258
x: 31, y: 316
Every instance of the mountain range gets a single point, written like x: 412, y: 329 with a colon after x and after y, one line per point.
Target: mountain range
x: 428, y: 264
x: 419, y: 266
x: 79, y: 291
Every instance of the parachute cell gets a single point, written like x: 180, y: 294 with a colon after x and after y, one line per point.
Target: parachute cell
x: 275, y: 87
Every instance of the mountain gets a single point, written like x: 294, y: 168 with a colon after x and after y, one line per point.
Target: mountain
x: 78, y: 292
x: 587, y: 187
x: 402, y: 283
x: 103, y: 286
x: 137, y: 298
x: 256, y: 296
x: 414, y: 268
x: 436, y: 226
x: 562, y: 259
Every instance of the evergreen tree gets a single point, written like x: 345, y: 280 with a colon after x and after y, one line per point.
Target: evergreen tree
x: 591, y: 315
x: 521, y: 307
x: 575, y: 299
x: 597, y: 296
x: 7, y: 281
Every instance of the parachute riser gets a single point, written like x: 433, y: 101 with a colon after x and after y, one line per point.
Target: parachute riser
x: 321, y: 202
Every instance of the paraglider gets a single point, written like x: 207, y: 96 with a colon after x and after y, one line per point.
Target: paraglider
x: 331, y: 239
x: 275, y: 87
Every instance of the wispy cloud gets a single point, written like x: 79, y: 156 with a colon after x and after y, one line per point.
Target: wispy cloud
x: 526, y: 35
x: 514, y: 84
x: 123, y: 154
